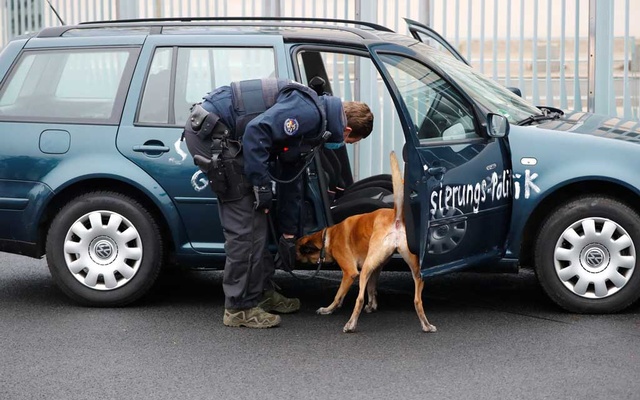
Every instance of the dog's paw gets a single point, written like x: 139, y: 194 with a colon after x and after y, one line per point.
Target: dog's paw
x: 369, y: 308
x: 429, y: 328
x: 324, y: 311
x: 349, y: 327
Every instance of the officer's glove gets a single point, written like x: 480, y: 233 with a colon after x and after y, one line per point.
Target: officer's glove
x: 287, y: 252
x: 263, y: 197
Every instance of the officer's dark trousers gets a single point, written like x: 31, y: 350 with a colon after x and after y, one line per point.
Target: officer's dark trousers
x: 249, y: 266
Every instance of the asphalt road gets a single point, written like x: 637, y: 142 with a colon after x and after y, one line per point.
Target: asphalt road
x: 498, y: 338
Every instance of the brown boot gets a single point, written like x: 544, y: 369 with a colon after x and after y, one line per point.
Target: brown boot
x: 275, y: 302
x: 254, y: 317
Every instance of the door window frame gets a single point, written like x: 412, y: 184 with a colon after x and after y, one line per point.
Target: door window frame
x: 416, y: 28
x: 300, y: 48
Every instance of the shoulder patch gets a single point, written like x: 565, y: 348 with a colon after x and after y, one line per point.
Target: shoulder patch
x: 291, y: 126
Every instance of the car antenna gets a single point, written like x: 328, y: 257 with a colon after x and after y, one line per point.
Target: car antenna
x: 55, y: 12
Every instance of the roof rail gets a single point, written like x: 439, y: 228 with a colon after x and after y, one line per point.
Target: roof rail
x: 259, y: 19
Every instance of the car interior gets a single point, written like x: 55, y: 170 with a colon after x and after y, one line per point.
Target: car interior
x: 330, y: 187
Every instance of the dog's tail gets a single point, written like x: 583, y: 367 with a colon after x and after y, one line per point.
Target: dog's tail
x: 398, y: 187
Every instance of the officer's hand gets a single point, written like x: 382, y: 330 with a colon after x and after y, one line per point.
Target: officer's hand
x: 263, y: 198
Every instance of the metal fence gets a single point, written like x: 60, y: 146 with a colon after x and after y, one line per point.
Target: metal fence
x: 572, y: 54
x: 579, y: 55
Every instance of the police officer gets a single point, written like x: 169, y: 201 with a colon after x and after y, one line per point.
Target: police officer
x: 235, y: 135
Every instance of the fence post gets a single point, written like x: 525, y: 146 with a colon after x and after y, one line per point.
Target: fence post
x: 425, y: 12
x: 4, y: 24
x: 601, y: 96
x: 363, y: 73
x: 364, y: 77
x: 157, y: 9
x: 271, y: 8
x: 127, y: 9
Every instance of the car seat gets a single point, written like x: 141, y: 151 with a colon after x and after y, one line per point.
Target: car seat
x: 349, y: 198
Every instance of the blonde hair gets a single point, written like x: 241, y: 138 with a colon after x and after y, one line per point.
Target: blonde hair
x: 359, y: 119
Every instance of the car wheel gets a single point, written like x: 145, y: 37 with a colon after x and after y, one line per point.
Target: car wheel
x: 104, y: 249
x: 586, y: 255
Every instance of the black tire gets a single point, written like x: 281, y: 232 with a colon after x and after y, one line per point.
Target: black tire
x: 587, y: 255
x: 116, y: 261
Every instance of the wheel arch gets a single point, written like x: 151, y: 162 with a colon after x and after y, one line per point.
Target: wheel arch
x: 564, y: 194
x: 64, y: 196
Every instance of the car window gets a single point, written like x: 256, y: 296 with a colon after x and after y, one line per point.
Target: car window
x: 12, y: 89
x: 198, y: 70
x: 201, y: 70
x: 437, y: 109
x: 490, y: 94
x: 154, y: 107
x: 74, y: 85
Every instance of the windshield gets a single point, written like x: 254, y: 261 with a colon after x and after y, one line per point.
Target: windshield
x: 490, y: 94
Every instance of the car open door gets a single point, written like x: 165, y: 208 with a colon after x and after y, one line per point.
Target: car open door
x: 427, y: 35
x: 457, y: 176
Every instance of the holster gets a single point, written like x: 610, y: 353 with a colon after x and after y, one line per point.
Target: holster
x: 217, y: 154
x: 232, y: 162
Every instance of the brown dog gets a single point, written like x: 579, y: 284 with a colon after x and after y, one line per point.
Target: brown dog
x: 366, y: 242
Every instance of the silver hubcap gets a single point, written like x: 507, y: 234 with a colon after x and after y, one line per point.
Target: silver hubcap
x: 445, y: 238
x: 103, y: 250
x: 594, y: 258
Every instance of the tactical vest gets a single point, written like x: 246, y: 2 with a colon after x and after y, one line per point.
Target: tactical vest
x: 253, y: 97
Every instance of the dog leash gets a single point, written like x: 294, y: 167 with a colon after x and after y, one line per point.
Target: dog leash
x: 277, y: 257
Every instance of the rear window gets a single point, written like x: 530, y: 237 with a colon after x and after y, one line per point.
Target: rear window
x: 68, y: 85
x: 196, y: 71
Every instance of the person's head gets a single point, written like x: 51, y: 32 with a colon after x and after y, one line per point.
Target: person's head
x: 348, y: 121
x: 359, y: 123
x: 336, y: 120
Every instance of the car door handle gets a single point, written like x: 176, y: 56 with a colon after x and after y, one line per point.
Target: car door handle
x: 146, y: 148
x: 434, y: 171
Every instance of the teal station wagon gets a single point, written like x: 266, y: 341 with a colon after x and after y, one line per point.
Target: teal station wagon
x: 94, y: 176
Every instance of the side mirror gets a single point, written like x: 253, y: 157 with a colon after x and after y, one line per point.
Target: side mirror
x: 515, y: 90
x: 497, y: 125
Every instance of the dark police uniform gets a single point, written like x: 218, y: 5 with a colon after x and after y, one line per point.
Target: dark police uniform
x: 260, y: 127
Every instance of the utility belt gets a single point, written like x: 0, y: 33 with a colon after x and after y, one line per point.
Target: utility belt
x: 217, y: 154
x: 293, y: 155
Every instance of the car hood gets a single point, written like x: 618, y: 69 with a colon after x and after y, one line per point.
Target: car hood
x: 596, y: 125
